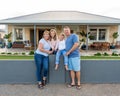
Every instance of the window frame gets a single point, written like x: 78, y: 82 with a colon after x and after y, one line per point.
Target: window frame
x: 97, y: 38
x: 22, y: 33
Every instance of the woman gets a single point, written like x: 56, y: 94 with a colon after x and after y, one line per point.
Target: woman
x: 41, y: 59
x: 53, y: 40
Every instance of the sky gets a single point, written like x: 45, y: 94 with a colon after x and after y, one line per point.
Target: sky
x: 14, y: 8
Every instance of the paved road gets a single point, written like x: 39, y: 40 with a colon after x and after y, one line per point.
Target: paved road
x: 60, y: 90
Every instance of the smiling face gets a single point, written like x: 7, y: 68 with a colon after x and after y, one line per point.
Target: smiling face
x: 61, y: 36
x: 46, y: 35
x: 52, y: 34
x: 67, y: 31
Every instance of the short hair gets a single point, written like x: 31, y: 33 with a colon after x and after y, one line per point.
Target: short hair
x: 46, y: 32
x: 66, y: 27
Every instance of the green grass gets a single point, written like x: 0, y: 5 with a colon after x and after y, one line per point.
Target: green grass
x: 100, y: 57
x: 16, y: 57
x: 13, y: 57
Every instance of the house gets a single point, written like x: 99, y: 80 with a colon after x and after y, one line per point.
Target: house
x: 30, y: 27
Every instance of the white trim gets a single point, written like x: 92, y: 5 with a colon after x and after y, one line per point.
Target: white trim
x: 15, y: 34
x: 6, y: 29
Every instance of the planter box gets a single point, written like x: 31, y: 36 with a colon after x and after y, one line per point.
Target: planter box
x: 92, y: 71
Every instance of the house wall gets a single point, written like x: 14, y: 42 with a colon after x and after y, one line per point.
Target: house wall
x: 112, y: 29
x: 27, y: 33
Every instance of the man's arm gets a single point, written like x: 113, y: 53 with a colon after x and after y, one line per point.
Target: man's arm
x: 73, y: 48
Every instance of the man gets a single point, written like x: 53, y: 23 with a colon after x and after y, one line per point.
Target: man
x: 72, y: 49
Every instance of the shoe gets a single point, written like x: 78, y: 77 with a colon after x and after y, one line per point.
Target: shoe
x: 78, y: 87
x: 40, y: 86
x: 70, y: 85
x: 44, y: 82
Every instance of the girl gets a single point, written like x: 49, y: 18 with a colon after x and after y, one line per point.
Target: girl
x: 61, y: 51
x: 53, y: 40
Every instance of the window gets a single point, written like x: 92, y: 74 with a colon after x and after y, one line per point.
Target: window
x: 19, y: 33
x: 102, y: 33
x: 93, y: 34
x: 98, y: 34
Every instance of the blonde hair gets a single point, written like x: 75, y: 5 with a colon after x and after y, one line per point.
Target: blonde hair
x: 62, y: 34
x: 46, y: 32
x: 55, y: 37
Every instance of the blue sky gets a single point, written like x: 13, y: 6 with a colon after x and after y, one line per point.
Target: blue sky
x: 13, y: 8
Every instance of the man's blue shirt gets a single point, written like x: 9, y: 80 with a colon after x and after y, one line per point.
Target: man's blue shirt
x: 70, y: 41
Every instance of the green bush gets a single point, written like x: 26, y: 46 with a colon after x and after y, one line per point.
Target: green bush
x: 9, y: 53
x: 3, y: 53
x: 23, y: 53
x: 114, y: 54
x: 97, y: 54
x: 15, y: 53
x: 31, y: 53
x: 105, y: 54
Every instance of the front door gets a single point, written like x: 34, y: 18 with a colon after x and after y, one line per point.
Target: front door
x: 40, y: 34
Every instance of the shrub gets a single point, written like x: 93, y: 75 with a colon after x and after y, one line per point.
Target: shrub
x: 3, y: 53
x: 97, y: 54
x: 15, y: 53
x: 31, y: 53
x: 105, y: 54
x: 23, y: 53
x: 9, y: 53
x: 114, y: 54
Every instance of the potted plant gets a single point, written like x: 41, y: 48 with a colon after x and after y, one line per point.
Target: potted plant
x: 84, y: 37
x: 115, y: 36
x: 7, y: 39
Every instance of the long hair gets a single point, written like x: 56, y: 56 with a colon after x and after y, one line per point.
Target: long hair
x: 55, y: 37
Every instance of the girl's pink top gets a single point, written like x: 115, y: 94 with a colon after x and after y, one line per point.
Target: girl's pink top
x: 53, y: 44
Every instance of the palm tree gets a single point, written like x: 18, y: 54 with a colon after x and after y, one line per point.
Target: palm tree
x: 115, y: 35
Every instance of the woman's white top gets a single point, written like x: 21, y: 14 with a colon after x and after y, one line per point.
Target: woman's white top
x: 46, y: 46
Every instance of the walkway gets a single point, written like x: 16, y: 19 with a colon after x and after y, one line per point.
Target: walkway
x: 60, y: 90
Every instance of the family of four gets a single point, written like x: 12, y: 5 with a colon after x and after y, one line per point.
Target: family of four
x: 67, y: 45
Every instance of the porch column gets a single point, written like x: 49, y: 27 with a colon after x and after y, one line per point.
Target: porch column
x: 34, y: 37
x: 118, y: 39
x: 87, y: 38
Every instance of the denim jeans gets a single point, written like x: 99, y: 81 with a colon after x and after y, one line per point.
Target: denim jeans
x: 41, y: 62
x: 58, y: 54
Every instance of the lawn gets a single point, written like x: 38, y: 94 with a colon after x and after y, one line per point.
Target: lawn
x: 12, y: 57
x: 16, y: 57
x: 100, y: 57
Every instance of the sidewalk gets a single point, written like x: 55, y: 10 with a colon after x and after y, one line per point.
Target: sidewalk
x: 60, y: 90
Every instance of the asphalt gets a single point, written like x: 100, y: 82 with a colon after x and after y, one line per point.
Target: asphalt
x: 60, y: 90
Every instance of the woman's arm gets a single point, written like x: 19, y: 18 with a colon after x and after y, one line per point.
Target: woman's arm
x: 40, y: 47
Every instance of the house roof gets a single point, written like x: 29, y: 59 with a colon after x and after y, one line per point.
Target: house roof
x: 61, y: 17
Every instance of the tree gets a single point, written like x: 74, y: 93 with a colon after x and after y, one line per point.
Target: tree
x: 115, y: 36
x: 7, y: 36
